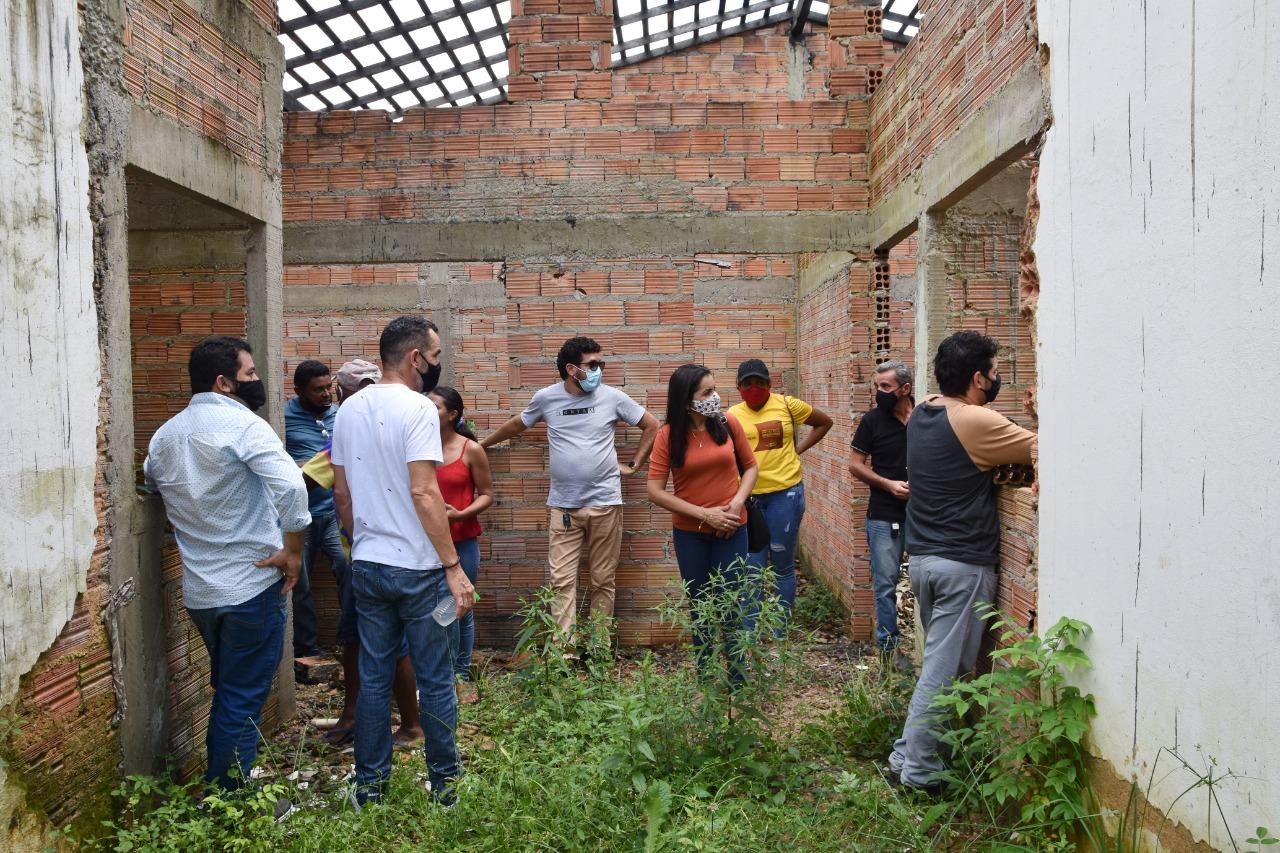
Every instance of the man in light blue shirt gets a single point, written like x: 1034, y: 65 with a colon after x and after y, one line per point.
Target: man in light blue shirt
x: 229, y: 489
x: 308, y: 429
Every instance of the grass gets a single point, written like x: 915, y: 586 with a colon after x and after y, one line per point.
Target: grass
x: 643, y: 755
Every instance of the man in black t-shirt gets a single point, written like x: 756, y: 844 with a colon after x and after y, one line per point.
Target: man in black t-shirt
x: 882, y: 436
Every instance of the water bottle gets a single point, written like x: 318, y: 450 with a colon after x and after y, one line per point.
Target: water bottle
x: 446, y: 612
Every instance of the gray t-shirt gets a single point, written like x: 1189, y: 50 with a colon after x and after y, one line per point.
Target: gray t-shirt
x: 580, y: 429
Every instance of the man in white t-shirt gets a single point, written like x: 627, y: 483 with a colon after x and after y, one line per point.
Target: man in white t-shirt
x: 386, y: 446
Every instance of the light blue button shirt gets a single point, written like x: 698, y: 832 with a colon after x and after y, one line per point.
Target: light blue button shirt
x: 228, y: 488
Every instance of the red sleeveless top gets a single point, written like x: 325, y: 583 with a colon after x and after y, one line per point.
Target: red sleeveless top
x: 459, y: 490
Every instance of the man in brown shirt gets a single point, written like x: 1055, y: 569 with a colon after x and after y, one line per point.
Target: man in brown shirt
x: 953, y: 535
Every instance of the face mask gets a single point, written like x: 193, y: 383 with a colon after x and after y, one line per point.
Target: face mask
x: 592, y: 380
x: 886, y: 400
x: 994, y: 390
x: 430, y: 378
x: 252, y: 394
x: 754, y: 396
x: 707, y: 407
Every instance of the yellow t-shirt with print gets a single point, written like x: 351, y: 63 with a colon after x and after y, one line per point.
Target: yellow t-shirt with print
x: 771, y: 432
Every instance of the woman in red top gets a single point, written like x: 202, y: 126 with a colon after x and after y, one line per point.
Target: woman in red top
x: 703, y: 449
x: 467, y: 487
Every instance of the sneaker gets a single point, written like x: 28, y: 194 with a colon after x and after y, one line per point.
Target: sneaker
x: 358, y: 800
x: 283, y: 809
x: 894, y: 778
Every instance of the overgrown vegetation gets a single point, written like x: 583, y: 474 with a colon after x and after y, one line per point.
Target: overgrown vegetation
x: 584, y: 753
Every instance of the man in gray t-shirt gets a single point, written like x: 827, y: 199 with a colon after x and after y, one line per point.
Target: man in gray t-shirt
x: 586, y: 485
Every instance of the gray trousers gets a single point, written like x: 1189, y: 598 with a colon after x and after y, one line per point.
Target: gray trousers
x: 946, y: 594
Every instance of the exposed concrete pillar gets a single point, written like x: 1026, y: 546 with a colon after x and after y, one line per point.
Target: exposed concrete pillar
x: 932, y: 297
x: 264, y: 304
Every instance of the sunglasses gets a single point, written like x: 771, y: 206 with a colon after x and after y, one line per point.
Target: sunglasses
x: 590, y: 365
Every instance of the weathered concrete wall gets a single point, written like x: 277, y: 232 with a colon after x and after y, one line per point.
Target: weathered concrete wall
x: 1157, y: 330
x: 46, y: 486
x: 48, y: 340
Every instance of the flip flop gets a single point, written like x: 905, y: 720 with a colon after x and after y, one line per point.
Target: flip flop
x: 338, y: 738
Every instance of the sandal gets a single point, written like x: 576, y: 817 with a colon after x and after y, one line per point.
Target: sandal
x: 339, y: 738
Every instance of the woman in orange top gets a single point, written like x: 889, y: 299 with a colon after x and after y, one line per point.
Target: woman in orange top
x: 703, y: 449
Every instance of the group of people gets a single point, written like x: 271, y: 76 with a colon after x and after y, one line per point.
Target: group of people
x: 389, y: 481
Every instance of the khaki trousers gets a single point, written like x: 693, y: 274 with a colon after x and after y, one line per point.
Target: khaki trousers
x: 597, y: 530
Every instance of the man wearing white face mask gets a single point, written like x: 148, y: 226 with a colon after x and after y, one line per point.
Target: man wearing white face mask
x: 581, y: 414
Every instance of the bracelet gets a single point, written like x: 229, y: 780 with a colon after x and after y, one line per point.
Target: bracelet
x: 454, y: 564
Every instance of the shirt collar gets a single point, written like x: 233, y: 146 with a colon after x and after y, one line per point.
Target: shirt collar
x: 213, y: 398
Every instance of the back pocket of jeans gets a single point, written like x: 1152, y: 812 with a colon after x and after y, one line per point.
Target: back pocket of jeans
x: 242, y: 633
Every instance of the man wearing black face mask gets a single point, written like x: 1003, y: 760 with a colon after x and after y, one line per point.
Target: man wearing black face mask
x: 229, y: 490
x: 882, y: 437
x: 953, y: 442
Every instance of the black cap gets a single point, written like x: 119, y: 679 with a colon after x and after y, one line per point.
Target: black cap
x: 752, y: 367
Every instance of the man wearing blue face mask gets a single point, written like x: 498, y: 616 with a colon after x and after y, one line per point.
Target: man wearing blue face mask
x: 581, y: 414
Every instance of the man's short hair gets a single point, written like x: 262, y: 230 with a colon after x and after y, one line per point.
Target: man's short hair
x: 959, y: 357
x: 573, y: 351
x: 899, y: 368
x: 308, y: 370
x: 403, y: 334
x: 215, y: 356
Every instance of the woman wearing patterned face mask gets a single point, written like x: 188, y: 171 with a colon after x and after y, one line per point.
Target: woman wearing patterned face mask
x: 703, y: 450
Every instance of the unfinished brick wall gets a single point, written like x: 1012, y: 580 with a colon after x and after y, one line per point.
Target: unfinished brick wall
x: 853, y: 315
x: 171, y: 310
x: 649, y: 315
x: 964, y: 52
x: 61, y: 752
x: 753, y: 66
x: 710, y: 129
x: 184, y: 67
x: 640, y: 153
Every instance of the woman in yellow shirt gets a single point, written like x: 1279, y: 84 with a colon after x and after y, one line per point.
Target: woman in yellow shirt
x: 771, y: 422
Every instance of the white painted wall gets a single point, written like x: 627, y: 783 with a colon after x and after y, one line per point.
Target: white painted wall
x: 48, y: 333
x: 1159, y: 327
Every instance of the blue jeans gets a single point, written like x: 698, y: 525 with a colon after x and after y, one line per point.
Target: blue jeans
x: 783, y: 510
x: 700, y: 556
x: 886, y: 567
x: 469, y: 552
x: 245, y: 643
x: 394, y: 606
x: 322, y: 535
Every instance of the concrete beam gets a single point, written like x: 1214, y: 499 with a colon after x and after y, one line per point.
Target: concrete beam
x: 640, y: 236
x: 720, y: 291
x: 158, y: 249
x: 199, y: 164
x: 356, y: 297
x: 820, y: 270
x: 1004, y: 130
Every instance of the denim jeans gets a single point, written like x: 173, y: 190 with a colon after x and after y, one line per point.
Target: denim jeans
x: 245, y: 642
x: 700, y: 556
x: 469, y: 552
x: 322, y: 535
x: 394, y: 606
x: 886, y: 568
x: 783, y: 511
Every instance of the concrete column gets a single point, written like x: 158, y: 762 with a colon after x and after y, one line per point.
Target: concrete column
x: 264, y: 309
x: 932, y: 298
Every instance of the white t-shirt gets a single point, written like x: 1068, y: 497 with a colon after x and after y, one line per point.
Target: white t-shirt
x: 377, y: 434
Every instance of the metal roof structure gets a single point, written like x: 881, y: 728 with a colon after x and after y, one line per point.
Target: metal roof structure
x: 398, y: 54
